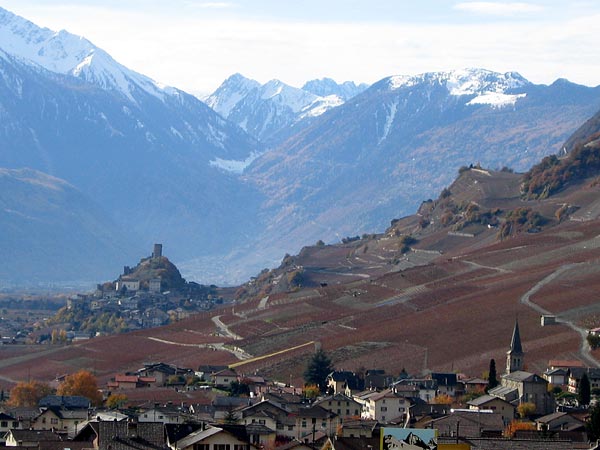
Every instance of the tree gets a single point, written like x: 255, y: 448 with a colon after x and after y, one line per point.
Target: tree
x: 492, y: 377
x: 115, y: 401
x: 517, y: 425
x: 238, y: 389
x: 317, y: 370
x: 584, y: 390
x: 81, y: 383
x: 592, y: 426
x: 442, y: 399
x: 28, y: 393
x: 526, y: 409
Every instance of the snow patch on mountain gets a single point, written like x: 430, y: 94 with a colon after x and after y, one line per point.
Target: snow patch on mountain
x: 393, y: 108
x: 488, y: 87
x: 234, y: 166
x: 321, y: 105
x: 496, y: 99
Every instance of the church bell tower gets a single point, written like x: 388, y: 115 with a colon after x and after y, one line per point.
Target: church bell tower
x: 515, y: 356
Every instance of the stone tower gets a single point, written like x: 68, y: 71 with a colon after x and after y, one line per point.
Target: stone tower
x: 157, y: 253
x: 515, y: 356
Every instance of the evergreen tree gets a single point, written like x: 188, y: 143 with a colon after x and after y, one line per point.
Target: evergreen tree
x: 317, y: 370
x: 584, y: 390
x: 492, y: 377
x: 592, y: 426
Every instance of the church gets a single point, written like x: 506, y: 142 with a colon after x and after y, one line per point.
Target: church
x: 518, y: 386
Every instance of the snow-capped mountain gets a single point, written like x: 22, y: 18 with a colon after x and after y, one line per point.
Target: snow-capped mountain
x: 271, y: 111
x: 67, y: 54
x: 158, y: 159
x: 484, y: 87
x: 326, y: 86
x: 230, y: 93
x: 399, y: 142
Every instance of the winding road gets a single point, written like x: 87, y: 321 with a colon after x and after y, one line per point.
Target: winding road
x: 584, y: 349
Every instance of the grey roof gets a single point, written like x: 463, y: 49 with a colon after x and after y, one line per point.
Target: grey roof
x: 503, y: 391
x: 445, y: 379
x: 522, y: 376
x: 35, y: 435
x: 65, y: 401
x: 256, y: 428
x: 479, y: 401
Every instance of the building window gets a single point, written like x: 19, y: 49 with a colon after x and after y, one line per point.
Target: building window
x: 241, y: 447
x: 384, y: 408
x: 279, y: 426
x: 221, y: 447
x: 201, y: 446
x: 303, y: 423
x: 290, y: 427
x: 4, y: 424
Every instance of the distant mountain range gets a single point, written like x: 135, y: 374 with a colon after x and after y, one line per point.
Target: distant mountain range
x: 150, y: 156
x: 273, y: 111
x: 272, y: 168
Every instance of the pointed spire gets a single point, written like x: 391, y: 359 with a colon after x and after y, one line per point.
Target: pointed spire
x: 515, y: 344
x: 515, y: 355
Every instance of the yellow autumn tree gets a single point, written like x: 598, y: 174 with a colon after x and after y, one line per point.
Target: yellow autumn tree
x: 115, y: 401
x: 442, y: 399
x: 82, y: 383
x: 28, y: 393
x: 517, y: 425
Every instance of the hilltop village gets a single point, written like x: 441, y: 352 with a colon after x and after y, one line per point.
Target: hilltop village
x: 341, y: 410
x: 151, y: 294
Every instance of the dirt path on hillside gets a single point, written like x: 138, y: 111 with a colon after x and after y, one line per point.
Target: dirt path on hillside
x: 224, y: 329
x: 221, y: 346
x: 584, y: 349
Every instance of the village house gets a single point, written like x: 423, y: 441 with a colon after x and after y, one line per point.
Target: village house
x: 31, y: 438
x: 340, y: 404
x: 224, y: 378
x: 496, y: 405
x: 7, y: 423
x: 164, y: 414
x: 425, y: 389
x: 122, y: 435
x: 556, y: 377
x: 385, y: 407
x: 271, y: 415
x: 575, y: 375
x: 161, y: 372
x: 559, y: 421
x: 447, y: 384
x: 216, y: 438
x: 313, y: 419
x: 343, y: 381
x: 123, y: 381
x: 468, y: 423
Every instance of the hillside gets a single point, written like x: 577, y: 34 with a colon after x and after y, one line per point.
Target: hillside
x: 445, y: 299
x: 66, y: 236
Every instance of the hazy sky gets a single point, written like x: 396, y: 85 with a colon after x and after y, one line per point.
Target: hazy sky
x: 195, y: 44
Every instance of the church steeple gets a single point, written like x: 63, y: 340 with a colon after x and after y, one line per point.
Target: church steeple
x: 515, y: 356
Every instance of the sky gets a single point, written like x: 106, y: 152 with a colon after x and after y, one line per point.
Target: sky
x: 196, y: 44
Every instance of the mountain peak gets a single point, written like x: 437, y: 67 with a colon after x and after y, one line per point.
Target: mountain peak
x: 67, y: 54
x: 327, y: 86
x: 484, y: 86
